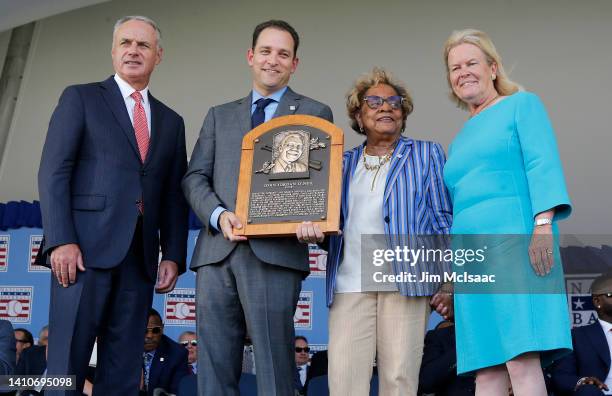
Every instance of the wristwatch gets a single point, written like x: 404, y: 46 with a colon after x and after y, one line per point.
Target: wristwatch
x: 543, y: 221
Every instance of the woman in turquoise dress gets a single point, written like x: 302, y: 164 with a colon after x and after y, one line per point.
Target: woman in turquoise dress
x: 505, y: 177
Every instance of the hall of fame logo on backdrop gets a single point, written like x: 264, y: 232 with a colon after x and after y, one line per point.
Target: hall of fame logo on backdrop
x: 180, y: 308
x: 4, y: 252
x: 317, y: 260
x: 582, y: 311
x: 303, y: 313
x: 16, y: 303
x: 35, y: 242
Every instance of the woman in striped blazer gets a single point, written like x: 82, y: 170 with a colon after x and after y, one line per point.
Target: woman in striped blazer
x: 392, y: 187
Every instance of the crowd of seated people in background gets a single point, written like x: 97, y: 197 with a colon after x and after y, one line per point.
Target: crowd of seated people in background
x: 169, y: 366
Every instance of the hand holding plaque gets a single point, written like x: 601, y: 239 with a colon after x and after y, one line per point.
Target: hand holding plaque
x: 290, y: 172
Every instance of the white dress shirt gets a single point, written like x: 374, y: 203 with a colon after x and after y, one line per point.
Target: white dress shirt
x: 126, y: 91
x: 364, y: 218
x: 303, y: 371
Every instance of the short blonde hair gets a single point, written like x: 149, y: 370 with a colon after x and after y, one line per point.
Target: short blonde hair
x: 502, y: 83
x: 378, y: 76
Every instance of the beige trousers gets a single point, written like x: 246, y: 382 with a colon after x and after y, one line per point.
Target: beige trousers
x: 384, y: 326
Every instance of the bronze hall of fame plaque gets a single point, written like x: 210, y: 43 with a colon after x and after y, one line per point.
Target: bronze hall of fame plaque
x: 290, y: 172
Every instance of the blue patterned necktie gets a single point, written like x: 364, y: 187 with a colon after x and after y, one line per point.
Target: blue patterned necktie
x: 148, y: 357
x: 258, y: 116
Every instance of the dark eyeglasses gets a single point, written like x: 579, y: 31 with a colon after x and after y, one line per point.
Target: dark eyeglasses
x: 605, y: 294
x: 22, y: 341
x: 154, y: 330
x: 186, y: 343
x: 374, y: 102
x: 300, y: 350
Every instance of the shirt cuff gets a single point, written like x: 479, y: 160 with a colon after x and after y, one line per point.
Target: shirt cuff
x: 214, y: 217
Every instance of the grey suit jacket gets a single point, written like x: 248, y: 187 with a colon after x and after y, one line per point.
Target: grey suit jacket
x: 212, y: 179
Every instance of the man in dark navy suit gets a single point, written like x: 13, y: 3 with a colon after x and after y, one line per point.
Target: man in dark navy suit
x: 33, y: 361
x: 586, y: 371
x: 164, y: 361
x: 439, y: 364
x: 109, y: 184
x: 7, y: 348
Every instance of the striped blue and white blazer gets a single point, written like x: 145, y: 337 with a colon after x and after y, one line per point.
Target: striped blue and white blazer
x: 416, y: 202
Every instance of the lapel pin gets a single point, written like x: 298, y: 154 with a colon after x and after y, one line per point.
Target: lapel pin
x: 161, y: 359
x: 292, y: 108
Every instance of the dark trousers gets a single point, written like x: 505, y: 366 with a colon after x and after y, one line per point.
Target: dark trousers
x: 112, y: 305
x: 239, y: 293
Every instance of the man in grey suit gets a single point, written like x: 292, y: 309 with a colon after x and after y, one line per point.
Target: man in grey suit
x: 244, y: 283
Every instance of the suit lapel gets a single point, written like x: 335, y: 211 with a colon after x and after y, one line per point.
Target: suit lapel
x: 598, y: 340
x: 288, y: 104
x: 400, y: 156
x: 156, y: 367
x: 244, y: 114
x: 155, y: 127
x: 114, y: 100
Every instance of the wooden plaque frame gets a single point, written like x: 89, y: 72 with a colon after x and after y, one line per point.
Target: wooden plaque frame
x: 331, y: 223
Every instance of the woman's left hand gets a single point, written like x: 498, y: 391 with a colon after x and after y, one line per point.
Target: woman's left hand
x: 541, y: 249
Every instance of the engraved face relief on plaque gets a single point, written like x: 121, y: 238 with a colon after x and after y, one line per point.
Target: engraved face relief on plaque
x: 290, y: 154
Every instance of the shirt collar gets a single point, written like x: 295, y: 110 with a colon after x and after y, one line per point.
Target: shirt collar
x: 127, y: 90
x: 276, y: 95
x: 605, y: 325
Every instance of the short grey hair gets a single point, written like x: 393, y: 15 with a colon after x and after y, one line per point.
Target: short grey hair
x: 188, y: 332
x: 141, y: 18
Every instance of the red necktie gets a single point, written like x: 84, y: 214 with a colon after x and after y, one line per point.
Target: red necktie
x: 141, y: 128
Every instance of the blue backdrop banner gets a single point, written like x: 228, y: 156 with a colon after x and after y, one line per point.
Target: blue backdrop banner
x: 24, y: 290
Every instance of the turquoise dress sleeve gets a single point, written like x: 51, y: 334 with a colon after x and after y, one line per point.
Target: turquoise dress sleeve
x: 541, y: 160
